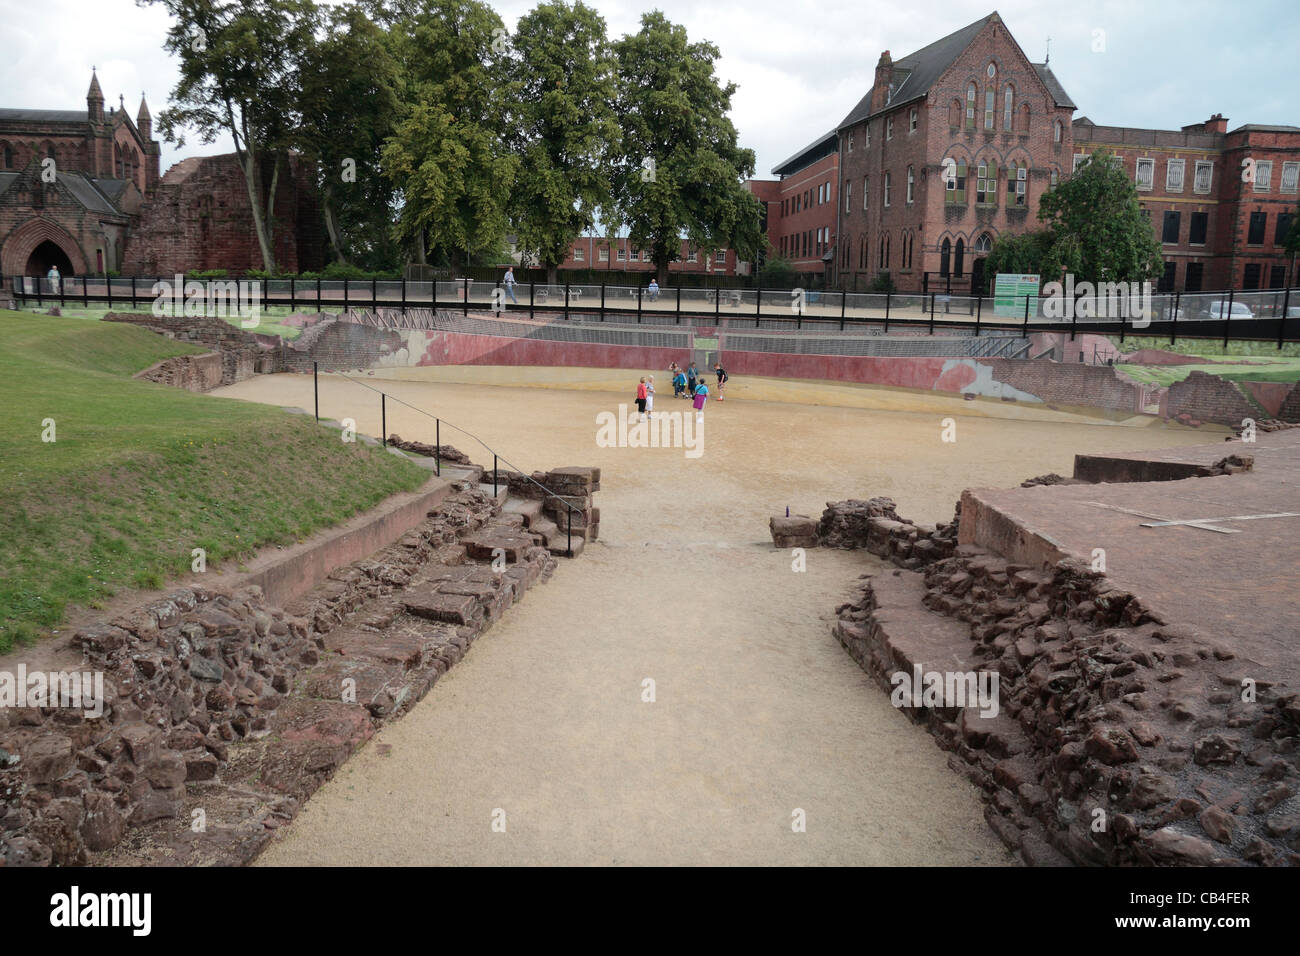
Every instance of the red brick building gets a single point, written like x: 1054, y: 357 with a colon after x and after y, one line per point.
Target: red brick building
x: 801, y: 220
x: 952, y: 146
x: 955, y: 144
x: 81, y: 190
x: 71, y: 185
x: 1217, y: 230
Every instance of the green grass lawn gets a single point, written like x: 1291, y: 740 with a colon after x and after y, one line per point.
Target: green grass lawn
x: 140, y: 474
x: 1283, y: 370
x: 268, y: 320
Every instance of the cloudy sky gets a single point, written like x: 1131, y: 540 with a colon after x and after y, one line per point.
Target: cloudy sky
x: 800, y: 65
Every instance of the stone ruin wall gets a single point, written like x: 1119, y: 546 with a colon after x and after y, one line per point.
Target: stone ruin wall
x: 217, y: 701
x: 1107, y: 713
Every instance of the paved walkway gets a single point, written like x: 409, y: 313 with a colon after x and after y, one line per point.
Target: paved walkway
x: 758, y: 712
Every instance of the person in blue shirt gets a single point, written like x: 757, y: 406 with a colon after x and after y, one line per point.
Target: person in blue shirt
x: 701, y: 396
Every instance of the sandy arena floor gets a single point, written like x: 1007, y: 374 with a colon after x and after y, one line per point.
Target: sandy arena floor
x: 758, y: 713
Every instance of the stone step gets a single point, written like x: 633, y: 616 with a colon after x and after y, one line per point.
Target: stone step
x: 906, y: 633
x: 530, y: 508
x: 560, y: 545
x: 547, y: 529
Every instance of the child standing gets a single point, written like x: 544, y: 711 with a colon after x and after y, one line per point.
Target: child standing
x: 701, y: 396
x: 650, y: 397
x: 722, y: 377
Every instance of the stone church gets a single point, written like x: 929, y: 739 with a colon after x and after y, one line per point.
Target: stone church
x: 81, y: 190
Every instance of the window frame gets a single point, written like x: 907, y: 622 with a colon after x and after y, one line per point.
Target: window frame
x: 1149, y: 164
x: 1209, y: 179
x: 1170, y: 166
x: 1263, y: 184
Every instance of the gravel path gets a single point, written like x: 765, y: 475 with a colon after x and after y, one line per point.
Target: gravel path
x: 758, y: 712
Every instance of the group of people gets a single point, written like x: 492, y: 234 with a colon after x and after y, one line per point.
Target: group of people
x: 688, y: 383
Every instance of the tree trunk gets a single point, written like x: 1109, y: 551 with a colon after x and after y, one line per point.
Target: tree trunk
x: 332, y: 229
x: 552, y: 273
x: 421, y: 256
x: 253, y: 179
x: 453, y: 260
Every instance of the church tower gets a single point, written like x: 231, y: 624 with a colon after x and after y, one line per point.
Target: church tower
x: 95, y: 100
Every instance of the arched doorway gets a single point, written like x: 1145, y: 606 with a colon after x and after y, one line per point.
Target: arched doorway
x: 959, y: 263
x: 945, y: 250
x: 45, y: 255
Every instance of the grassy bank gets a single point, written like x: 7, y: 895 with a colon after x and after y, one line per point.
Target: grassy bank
x: 140, y: 474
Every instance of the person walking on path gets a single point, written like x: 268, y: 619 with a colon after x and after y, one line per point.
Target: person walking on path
x: 53, y: 276
x: 509, y: 282
x: 654, y: 289
x: 701, y: 396
x: 722, y: 377
x: 640, y: 400
x: 650, y: 397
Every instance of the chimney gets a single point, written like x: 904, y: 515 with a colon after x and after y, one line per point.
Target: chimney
x: 95, y: 100
x: 884, y: 77
x: 1216, y: 124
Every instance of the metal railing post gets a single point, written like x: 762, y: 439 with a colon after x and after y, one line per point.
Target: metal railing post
x: 383, y: 419
x: 465, y: 295
x: 758, y: 304
x: 568, y: 553
x: 1026, y: 332
x: 319, y: 300
x: 38, y: 286
x: 887, y: 298
x: 1281, y: 325
x: 679, y: 306
x: 1227, y: 316
x: 108, y: 287
x: 979, y: 312
x: 345, y: 294
x: 437, y: 445
x: 1074, y: 318
x: 85, y: 293
x: 602, y: 300
x: 844, y: 303
x: 374, y: 295
x: 932, y: 313
x: 717, y: 302
x: 531, y: 287
x: 1173, y: 331
x: 315, y: 387
x: 638, y: 302
x: 292, y: 286
x: 494, y: 476
x: 566, y: 301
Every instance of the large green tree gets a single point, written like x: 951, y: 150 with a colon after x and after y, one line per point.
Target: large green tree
x: 1019, y: 253
x: 447, y: 154
x: 679, y: 169
x: 241, y: 69
x: 561, y: 90
x: 1097, y: 228
x: 349, y: 107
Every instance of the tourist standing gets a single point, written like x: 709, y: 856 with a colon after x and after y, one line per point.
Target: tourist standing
x: 650, y: 397
x: 722, y: 377
x: 509, y: 282
x: 691, y: 376
x: 53, y: 276
x: 701, y: 396
x: 654, y: 289
x: 640, y: 400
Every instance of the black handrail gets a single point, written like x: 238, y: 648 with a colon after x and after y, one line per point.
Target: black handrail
x: 495, y: 455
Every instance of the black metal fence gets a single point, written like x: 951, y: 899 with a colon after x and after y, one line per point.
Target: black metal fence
x: 1255, y: 315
